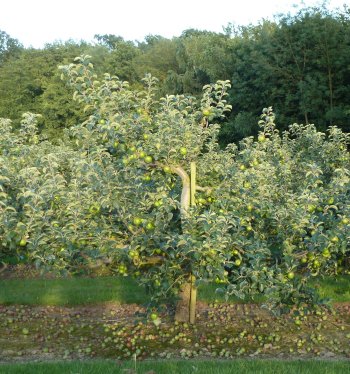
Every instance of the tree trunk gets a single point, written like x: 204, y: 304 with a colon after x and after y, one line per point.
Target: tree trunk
x: 186, y: 306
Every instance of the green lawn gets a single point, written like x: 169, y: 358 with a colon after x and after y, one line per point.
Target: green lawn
x: 71, y: 291
x: 336, y: 289
x: 84, y: 291
x: 183, y: 367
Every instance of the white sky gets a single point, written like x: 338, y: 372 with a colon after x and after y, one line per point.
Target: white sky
x: 36, y: 22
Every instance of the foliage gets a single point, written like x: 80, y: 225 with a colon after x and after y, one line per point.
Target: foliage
x: 121, y: 58
x: 297, y: 63
x: 268, y: 208
x: 9, y: 47
x: 46, y: 211
x: 36, y: 87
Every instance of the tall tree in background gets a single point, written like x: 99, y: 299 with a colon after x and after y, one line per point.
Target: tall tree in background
x: 121, y: 56
x: 36, y: 86
x: 8, y: 47
x: 297, y: 63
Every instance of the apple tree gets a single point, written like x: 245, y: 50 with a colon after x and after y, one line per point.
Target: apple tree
x: 47, y: 213
x: 143, y: 186
x: 260, y: 217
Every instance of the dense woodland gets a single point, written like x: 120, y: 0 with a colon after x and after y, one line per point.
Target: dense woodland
x: 298, y: 64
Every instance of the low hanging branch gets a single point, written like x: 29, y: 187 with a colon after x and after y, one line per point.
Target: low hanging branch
x: 186, y: 190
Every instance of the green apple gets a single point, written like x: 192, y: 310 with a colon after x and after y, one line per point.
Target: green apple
x: 330, y: 200
x: 137, y: 221
x: 183, y: 151
x: 23, y: 242
x: 94, y: 209
x: 334, y: 239
x: 149, y: 226
x: 326, y: 253
x: 201, y: 200
x: 148, y: 159
x: 261, y: 138
x: 154, y: 316
x: 206, y: 112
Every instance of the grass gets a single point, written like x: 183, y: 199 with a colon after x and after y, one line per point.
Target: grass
x: 335, y: 288
x: 183, y: 367
x: 85, y: 291
x: 71, y: 291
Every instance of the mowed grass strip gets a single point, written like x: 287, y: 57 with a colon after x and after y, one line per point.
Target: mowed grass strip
x: 71, y: 291
x: 124, y: 290
x: 183, y: 367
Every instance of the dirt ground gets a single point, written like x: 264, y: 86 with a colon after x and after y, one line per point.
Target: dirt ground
x: 122, y: 331
x: 118, y: 332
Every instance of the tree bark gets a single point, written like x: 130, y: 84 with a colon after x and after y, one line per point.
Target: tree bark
x: 186, y: 190
x: 186, y: 306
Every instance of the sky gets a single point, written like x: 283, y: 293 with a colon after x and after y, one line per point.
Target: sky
x: 36, y: 22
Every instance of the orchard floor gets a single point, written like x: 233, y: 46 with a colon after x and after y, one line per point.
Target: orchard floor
x: 120, y: 330
x: 117, y: 331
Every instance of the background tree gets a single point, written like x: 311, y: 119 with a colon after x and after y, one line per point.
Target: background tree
x: 37, y: 87
x: 294, y: 63
x: 121, y: 57
x: 8, y: 47
x: 297, y: 63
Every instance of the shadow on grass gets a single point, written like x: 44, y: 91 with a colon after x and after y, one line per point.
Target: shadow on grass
x: 71, y: 291
x: 334, y: 288
x: 125, y: 290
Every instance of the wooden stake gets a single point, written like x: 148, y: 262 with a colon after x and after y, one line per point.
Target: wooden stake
x: 193, y: 300
x: 193, y: 183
